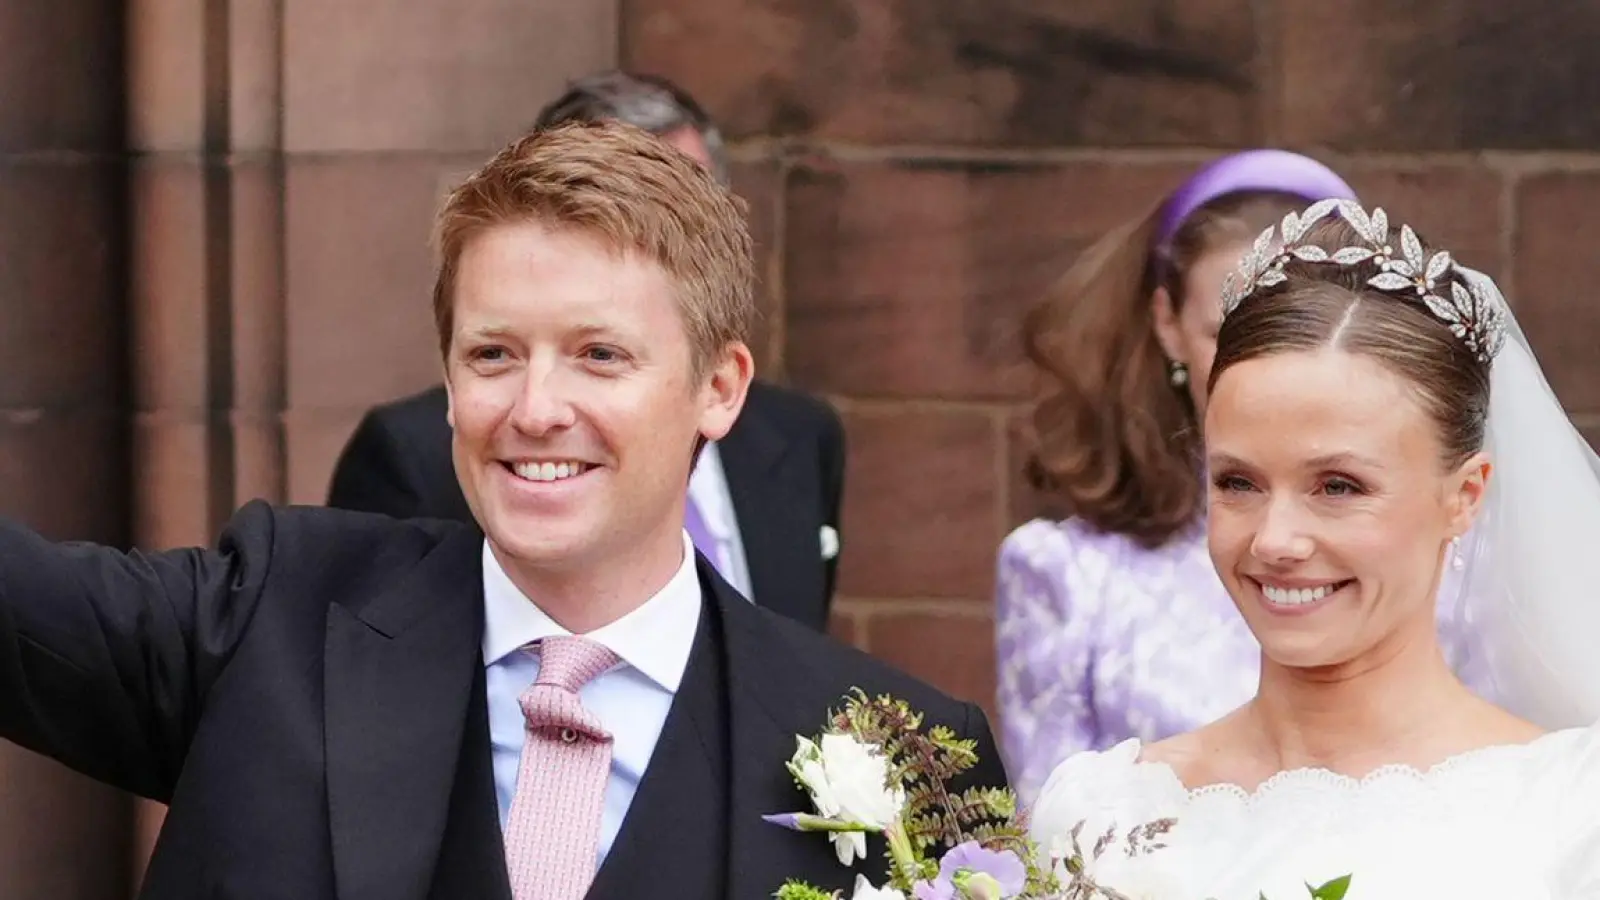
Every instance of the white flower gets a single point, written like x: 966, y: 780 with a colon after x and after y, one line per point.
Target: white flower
x: 865, y: 891
x: 806, y: 765
x: 858, y: 775
x: 849, y: 845
x: 1111, y: 791
x: 1106, y: 789
x: 848, y: 782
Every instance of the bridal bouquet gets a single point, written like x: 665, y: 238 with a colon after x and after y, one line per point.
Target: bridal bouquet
x: 874, y: 770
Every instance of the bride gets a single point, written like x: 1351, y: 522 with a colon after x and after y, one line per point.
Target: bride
x: 1353, y: 450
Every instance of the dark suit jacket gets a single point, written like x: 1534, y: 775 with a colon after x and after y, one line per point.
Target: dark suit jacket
x: 308, y: 699
x: 784, y: 460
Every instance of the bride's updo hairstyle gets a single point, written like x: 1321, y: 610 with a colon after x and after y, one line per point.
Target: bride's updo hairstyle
x: 1326, y: 304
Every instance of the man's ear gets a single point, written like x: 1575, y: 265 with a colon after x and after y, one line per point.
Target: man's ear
x: 723, y: 392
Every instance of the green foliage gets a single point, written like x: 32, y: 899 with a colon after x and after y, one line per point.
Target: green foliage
x: 795, y: 890
x: 936, y: 818
x: 1333, y: 890
x: 922, y: 764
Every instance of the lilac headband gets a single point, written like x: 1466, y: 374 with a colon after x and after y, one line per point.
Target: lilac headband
x: 1251, y: 170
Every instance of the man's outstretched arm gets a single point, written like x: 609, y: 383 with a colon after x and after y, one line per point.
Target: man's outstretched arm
x: 106, y: 657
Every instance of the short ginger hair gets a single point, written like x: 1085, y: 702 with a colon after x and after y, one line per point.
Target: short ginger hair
x: 634, y: 193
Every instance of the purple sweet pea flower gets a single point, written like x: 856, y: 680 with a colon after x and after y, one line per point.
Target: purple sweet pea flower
x: 987, y: 874
x: 790, y: 821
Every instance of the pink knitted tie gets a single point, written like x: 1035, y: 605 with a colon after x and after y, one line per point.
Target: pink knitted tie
x: 553, y: 830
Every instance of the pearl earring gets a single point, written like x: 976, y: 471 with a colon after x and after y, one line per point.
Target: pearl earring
x: 1177, y: 373
x: 1458, y: 560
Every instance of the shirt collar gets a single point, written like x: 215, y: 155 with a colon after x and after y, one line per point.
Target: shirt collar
x: 655, y: 638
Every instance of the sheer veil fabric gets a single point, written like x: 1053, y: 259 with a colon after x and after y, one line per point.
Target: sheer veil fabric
x: 1531, y: 564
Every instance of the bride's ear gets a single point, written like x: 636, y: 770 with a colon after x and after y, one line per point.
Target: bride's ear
x: 1472, y: 485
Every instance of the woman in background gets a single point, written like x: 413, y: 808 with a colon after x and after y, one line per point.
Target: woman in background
x: 1112, y: 623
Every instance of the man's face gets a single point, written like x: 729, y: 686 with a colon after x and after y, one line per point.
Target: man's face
x: 573, y: 399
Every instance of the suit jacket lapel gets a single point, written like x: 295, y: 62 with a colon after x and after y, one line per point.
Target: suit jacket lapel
x: 768, y: 706
x: 472, y: 860
x: 782, y: 547
x: 399, y: 670
x: 676, y: 828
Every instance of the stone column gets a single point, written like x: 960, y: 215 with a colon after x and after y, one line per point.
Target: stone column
x: 63, y: 404
x: 206, y: 281
x: 289, y: 155
x: 387, y: 103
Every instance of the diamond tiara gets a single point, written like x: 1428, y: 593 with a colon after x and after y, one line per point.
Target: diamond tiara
x: 1474, y: 316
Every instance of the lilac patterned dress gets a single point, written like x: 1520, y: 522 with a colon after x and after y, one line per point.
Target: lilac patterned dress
x: 1100, y: 640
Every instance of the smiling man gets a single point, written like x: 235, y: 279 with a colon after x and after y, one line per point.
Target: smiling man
x: 763, y: 500
x: 569, y: 702
x: 575, y: 416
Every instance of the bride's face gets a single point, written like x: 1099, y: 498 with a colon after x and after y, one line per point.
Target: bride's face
x: 1330, y: 508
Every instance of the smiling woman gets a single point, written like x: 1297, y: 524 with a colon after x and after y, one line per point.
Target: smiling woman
x: 1331, y: 510
x: 1344, y: 442
x: 1110, y: 622
x: 1347, y: 448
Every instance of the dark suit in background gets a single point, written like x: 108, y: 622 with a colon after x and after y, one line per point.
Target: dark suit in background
x: 783, y: 462
x: 309, y: 700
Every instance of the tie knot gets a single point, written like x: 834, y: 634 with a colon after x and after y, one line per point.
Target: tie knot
x: 570, y: 662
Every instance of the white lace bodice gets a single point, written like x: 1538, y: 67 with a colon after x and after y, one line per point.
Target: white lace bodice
x: 1517, y: 821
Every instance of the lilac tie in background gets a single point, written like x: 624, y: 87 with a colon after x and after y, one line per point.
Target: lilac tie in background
x: 553, y: 830
x: 695, y: 524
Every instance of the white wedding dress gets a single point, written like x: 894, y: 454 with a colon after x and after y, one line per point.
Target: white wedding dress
x: 1517, y: 821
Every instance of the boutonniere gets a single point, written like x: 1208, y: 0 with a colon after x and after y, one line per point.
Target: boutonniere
x: 874, y: 770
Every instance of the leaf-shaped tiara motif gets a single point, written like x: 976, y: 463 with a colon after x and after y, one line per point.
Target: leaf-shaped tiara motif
x: 1473, y: 316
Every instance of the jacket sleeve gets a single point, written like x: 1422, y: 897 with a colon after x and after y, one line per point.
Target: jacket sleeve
x: 106, y: 657
x: 1045, y: 656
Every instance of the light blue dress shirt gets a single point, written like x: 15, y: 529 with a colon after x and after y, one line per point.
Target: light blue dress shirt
x: 631, y: 700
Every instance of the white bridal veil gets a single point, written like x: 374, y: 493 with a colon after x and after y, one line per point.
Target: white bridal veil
x: 1531, y: 564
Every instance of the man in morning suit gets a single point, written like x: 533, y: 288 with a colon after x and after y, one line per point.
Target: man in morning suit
x: 763, y: 501
x: 562, y: 701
